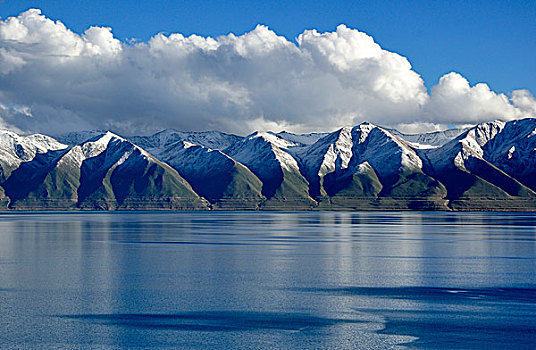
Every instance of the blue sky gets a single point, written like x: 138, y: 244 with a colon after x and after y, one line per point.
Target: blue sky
x: 486, y: 41
x: 299, y: 66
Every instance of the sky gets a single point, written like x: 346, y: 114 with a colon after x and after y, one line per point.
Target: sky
x: 300, y: 65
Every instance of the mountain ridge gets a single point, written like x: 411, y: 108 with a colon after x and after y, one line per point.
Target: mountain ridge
x: 490, y: 166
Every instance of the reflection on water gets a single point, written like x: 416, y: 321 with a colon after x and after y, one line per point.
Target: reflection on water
x: 268, y: 280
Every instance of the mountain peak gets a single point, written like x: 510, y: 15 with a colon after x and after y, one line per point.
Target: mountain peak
x: 103, y: 138
x: 158, y: 142
x: 272, y: 139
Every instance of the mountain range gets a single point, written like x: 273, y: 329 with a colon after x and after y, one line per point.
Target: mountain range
x: 490, y: 166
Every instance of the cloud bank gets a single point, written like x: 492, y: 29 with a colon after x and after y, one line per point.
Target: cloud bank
x: 53, y: 80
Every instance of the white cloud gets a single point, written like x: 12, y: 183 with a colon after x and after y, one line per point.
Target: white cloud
x: 524, y: 102
x: 454, y: 100
x: 257, y: 80
x: 100, y: 41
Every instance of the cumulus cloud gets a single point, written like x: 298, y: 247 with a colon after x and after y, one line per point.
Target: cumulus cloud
x: 524, y: 102
x: 455, y: 101
x: 236, y: 83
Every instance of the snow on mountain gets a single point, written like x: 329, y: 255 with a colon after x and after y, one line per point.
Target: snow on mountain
x: 321, y: 158
x: 480, y: 162
x: 266, y: 169
x: 301, y: 140
x: 15, y: 149
x: 514, y: 146
x: 212, y: 174
x: 92, y: 147
x: 367, y: 161
x: 25, y: 147
x: 118, y: 150
x: 266, y: 155
x: 462, y: 148
x: 106, y: 171
x: 60, y: 177
x: 385, y: 152
x: 431, y: 139
x: 209, y: 139
x: 77, y: 137
x: 191, y: 158
x: 126, y: 174
x: 513, y: 149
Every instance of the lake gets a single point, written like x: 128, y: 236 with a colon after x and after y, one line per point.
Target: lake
x: 268, y: 280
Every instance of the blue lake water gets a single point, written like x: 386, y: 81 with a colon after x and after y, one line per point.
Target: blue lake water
x: 268, y: 280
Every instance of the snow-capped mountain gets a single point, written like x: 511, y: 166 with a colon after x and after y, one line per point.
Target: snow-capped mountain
x: 366, y: 161
x: 15, y: 149
x: 468, y: 144
x: 431, y: 139
x: 481, y: 160
x: 266, y: 155
x: 209, y: 139
x: 491, y: 166
x: 32, y: 152
x: 301, y: 140
x: 133, y: 175
x: 513, y: 150
x: 105, y: 172
x: 213, y: 174
x: 76, y: 137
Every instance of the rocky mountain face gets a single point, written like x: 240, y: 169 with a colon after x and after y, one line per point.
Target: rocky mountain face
x: 490, y: 166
